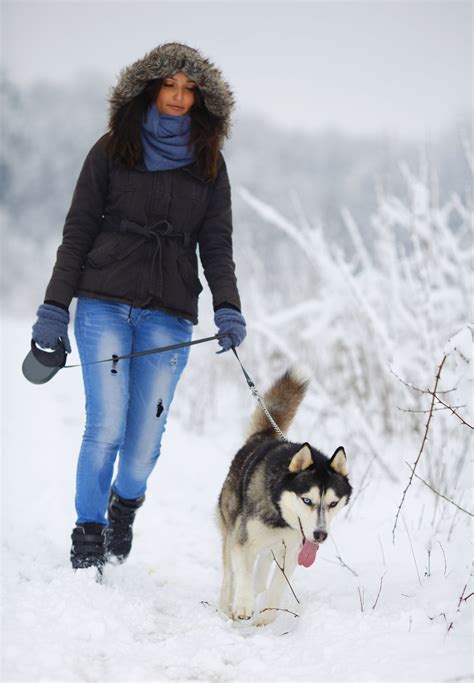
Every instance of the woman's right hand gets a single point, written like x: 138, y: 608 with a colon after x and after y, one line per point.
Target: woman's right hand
x: 50, y: 327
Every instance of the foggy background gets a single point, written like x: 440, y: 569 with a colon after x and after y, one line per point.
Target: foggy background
x: 331, y: 96
x: 359, y: 67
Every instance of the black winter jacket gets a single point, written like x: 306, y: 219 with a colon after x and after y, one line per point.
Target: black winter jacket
x: 131, y: 236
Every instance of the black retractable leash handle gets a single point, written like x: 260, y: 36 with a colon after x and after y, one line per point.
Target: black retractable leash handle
x: 40, y: 366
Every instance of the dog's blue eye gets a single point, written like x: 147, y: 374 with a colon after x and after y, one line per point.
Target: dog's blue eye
x: 333, y: 504
x: 307, y: 501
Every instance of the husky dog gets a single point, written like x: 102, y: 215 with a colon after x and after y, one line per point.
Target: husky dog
x: 275, y: 506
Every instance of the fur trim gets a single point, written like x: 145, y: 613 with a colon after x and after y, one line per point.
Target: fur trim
x: 166, y: 60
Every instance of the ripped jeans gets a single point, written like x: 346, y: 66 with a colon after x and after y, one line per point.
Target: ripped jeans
x: 126, y: 412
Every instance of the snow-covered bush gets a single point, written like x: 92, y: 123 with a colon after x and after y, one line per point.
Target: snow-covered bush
x: 367, y: 321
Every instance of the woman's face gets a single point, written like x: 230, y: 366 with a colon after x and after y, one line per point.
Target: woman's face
x: 177, y: 95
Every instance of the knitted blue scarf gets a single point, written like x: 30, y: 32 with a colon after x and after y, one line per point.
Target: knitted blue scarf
x: 165, y: 140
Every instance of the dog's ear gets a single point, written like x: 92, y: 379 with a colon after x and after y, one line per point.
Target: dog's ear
x: 301, y: 460
x: 338, y: 461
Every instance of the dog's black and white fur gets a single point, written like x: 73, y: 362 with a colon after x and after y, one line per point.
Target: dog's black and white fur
x: 278, y: 497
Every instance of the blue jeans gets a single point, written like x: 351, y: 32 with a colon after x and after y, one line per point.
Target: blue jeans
x: 126, y: 412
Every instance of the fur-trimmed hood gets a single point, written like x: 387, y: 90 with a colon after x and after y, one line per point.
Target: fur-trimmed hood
x: 166, y: 60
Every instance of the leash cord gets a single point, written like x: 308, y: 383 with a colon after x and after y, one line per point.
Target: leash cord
x: 255, y: 393
x: 161, y: 349
x: 115, y: 359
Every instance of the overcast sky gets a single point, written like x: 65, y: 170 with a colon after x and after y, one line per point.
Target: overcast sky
x: 399, y: 66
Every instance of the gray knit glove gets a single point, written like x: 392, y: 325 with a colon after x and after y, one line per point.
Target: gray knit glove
x: 231, y: 323
x: 51, y: 327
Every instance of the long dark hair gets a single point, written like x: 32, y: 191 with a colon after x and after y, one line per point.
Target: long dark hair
x: 124, y: 140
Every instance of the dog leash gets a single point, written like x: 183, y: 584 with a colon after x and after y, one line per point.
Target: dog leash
x: 161, y: 349
x: 256, y: 394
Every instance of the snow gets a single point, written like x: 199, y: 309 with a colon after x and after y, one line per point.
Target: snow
x: 155, y: 618
x: 461, y: 342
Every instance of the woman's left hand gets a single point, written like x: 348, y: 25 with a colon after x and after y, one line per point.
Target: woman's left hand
x: 231, y: 323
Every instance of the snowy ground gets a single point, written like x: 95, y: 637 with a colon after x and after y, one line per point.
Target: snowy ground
x: 155, y: 618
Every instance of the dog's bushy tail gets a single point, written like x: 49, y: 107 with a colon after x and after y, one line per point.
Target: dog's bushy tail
x: 282, y: 401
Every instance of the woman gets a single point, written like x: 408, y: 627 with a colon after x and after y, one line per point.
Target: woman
x: 151, y: 190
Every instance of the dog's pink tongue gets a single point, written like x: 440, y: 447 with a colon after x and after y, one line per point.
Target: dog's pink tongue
x: 307, y: 554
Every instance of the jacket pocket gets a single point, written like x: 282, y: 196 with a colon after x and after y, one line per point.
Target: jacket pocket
x: 189, y: 275
x: 116, y: 247
x: 102, y: 255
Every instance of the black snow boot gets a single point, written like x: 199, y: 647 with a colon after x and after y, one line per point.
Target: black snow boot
x: 121, y: 514
x: 88, y: 546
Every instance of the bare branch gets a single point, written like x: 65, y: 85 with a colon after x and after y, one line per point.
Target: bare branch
x: 460, y: 601
x: 381, y: 549
x: 453, y: 411
x: 284, y: 555
x: 412, y: 386
x: 361, y: 598
x: 446, y: 406
x: 341, y: 561
x: 380, y: 590
x: 282, y: 569
x: 435, y: 410
x: 412, y: 550
x: 343, y: 564
x: 444, y: 555
x: 279, y: 609
x: 441, y: 614
x: 461, y: 597
x: 360, y: 489
x: 425, y: 436
x: 440, y: 494
x: 428, y: 571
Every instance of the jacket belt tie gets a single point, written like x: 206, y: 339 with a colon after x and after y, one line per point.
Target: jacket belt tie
x: 156, y: 231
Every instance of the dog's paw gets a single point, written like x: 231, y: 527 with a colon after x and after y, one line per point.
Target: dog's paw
x: 225, y: 608
x: 265, y: 617
x: 242, y: 613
